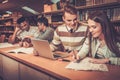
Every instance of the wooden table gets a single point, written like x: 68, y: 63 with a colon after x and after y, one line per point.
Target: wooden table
x: 57, y: 68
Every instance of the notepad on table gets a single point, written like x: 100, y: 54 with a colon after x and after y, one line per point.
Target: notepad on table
x: 86, y: 65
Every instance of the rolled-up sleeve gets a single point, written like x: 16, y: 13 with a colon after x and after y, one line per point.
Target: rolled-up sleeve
x: 115, y: 60
x: 84, y: 49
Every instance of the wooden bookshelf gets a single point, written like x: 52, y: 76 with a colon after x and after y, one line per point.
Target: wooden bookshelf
x: 7, y: 24
x: 111, y: 7
x: 52, y: 12
x: 103, y: 5
x: 6, y: 27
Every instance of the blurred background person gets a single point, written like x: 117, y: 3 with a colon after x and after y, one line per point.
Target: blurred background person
x: 45, y: 31
x: 23, y: 30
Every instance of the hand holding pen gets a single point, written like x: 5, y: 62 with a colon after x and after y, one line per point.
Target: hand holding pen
x: 75, y: 57
x: 74, y: 54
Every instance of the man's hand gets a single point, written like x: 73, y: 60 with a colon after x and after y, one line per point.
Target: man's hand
x: 17, y: 29
x: 25, y: 44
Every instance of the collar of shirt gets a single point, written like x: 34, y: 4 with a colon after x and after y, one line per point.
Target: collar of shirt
x: 70, y: 29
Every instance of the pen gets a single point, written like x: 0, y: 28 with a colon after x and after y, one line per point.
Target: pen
x: 65, y: 60
x: 74, y: 55
x: 77, y: 61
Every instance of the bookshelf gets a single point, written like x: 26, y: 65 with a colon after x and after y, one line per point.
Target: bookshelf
x: 112, y: 10
x: 54, y: 18
x: 6, y: 27
x: 8, y: 23
x: 110, y: 7
x: 84, y: 7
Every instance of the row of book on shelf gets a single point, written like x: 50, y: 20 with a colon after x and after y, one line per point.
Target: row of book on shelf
x: 113, y: 14
x: 92, y: 2
x: 77, y: 3
x: 6, y: 29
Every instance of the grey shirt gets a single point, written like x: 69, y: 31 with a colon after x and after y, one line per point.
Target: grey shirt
x: 46, y: 35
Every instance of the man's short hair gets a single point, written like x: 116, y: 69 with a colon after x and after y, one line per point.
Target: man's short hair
x: 20, y: 20
x: 43, y: 20
x: 70, y: 9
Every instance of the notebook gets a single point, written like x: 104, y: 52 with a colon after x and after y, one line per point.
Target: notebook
x: 85, y: 64
x: 43, y: 49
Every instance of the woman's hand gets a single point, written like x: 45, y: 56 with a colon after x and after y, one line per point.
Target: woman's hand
x: 99, y: 61
x: 74, y: 55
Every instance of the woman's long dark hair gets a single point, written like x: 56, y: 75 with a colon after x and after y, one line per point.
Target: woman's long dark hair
x: 108, y: 30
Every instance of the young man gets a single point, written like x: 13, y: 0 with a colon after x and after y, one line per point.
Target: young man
x: 23, y: 30
x: 45, y: 32
x: 69, y: 36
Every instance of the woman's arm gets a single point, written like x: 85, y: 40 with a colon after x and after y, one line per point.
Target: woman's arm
x: 112, y: 60
x: 84, y: 50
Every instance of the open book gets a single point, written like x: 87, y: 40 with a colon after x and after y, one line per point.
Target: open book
x: 4, y: 45
x: 22, y: 50
x: 86, y: 65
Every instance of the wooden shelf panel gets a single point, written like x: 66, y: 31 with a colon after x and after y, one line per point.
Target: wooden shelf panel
x: 53, y: 12
x: 103, y: 5
x: 5, y: 19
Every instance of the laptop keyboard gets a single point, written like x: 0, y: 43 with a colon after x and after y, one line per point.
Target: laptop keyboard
x: 57, y: 55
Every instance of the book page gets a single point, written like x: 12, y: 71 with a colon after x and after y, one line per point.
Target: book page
x: 86, y: 65
x: 4, y: 45
x: 22, y: 50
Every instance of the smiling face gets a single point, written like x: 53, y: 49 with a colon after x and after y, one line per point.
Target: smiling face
x: 70, y: 19
x: 95, y: 29
x: 24, y: 25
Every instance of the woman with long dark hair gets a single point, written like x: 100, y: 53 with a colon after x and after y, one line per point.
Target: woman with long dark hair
x: 103, y: 43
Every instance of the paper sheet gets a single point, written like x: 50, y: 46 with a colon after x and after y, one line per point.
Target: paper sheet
x: 86, y: 65
x: 22, y: 50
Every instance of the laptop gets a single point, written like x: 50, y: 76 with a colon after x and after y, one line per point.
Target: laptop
x: 43, y: 49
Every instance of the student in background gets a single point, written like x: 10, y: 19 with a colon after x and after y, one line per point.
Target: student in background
x: 23, y: 31
x: 71, y: 35
x: 103, y: 44
x: 45, y: 31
